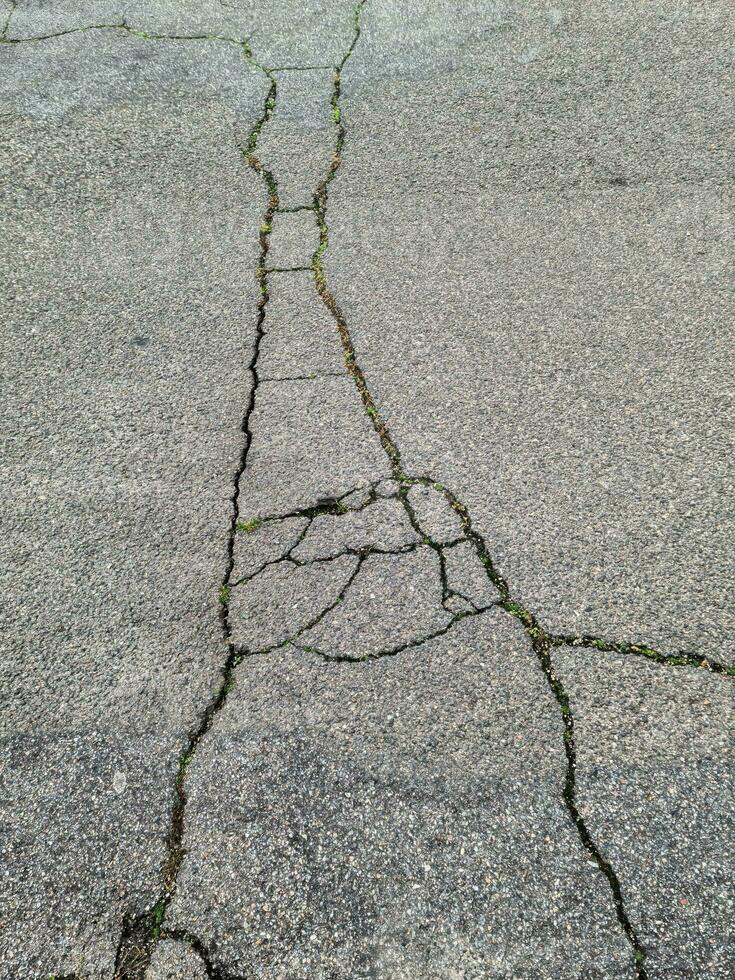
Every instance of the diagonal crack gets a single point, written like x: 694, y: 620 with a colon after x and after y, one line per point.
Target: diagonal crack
x: 121, y: 25
x: 393, y: 651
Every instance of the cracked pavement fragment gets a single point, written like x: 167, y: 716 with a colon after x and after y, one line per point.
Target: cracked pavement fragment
x: 281, y: 33
x: 298, y: 142
x: 125, y: 347
x: 293, y: 241
x: 311, y: 440
x: 467, y: 576
x: 380, y: 819
x: 381, y: 525
x: 299, y: 339
x: 175, y: 960
x: 434, y: 513
x: 394, y: 601
x: 278, y: 604
x: 655, y: 773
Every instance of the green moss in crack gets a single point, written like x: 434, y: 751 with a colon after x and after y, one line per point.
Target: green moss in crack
x: 224, y: 594
x: 247, y: 527
x: 159, y: 910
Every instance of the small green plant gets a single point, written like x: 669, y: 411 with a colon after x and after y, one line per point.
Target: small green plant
x: 159, y: 910
x: 247, y: 527
x: 265, y: 228
x: 337, y: 114
x: 224, y: 594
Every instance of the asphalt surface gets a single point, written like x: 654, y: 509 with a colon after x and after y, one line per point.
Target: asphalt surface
x: 368, y: 490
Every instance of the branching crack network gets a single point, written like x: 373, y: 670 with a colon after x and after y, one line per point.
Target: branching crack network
x: 141, y: 933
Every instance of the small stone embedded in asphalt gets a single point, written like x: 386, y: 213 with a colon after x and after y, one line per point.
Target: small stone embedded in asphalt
x: 299, y: 142
x: 119, y: 782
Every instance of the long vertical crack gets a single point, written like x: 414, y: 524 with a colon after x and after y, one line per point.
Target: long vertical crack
x: 142, y: 933
x: 541, y: 642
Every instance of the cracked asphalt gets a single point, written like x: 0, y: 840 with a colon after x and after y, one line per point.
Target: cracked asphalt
x: 368, y: 478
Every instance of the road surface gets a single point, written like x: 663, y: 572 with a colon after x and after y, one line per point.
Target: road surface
x: 368, y: 490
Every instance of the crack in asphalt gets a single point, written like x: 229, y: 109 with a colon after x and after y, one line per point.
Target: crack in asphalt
x: 539, y: 638
x: 394, y: 651
x: 141, y: 934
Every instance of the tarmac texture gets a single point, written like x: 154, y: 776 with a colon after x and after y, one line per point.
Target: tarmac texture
x: 368, y: 530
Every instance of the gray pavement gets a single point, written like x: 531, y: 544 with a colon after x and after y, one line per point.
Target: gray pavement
x: 368, y: 533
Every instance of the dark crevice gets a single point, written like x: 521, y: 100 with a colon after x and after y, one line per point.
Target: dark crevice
x: 213, y: 972
x: 539, y: 639
x: 295, y: 209
x: 117, y: 26
x: 681, y: 659
x: 141, y: 934
x: 10, y: 8
x: 191, y: 940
